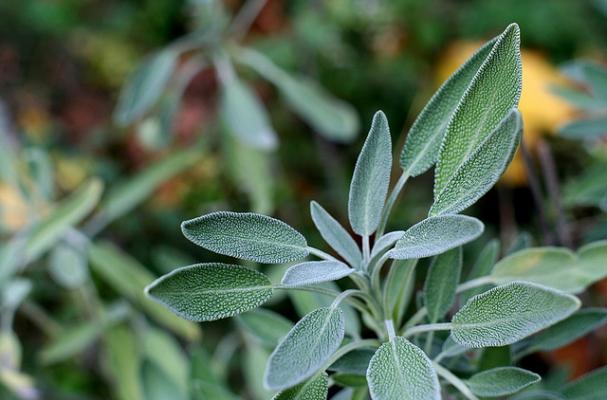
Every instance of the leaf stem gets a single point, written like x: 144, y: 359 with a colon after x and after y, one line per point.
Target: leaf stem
x: 366, y: 251
x: 455, y: 381
x: 428, y: 344
x: 245, y: 17
x: 321, y: 254
x: 390, y: 329
x: 415, y: 319
x: 398, y: 187
x: 348, y: 348
x: 483, y: 280
x: 443, y: 326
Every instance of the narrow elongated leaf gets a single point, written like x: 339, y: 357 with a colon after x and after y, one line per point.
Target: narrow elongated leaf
x: 592, y: 386
x: 124, y: 360
x: 509, y: 313
x: 435, y: 235
x: 385, y: 242
x: 481, y: 170
x: 586, y: 128
x: 502, y: 381
x: 335, y: 235
x: 265, y: 326
x: 316, y: 388
x: 425, y: 136
x: 441, y: 282
x: 371, y: 178
x: 255, y: 360
x: 312, y: 272
x: 305, y: 349
x: 207, y: 292
x: 164, y: 352
x: 398, y: 288
x: 248, y: 236
x: 400, y: 370
x: 494, y: 91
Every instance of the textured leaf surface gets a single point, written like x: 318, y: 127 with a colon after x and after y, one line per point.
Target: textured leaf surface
x: 481, y: 170
x: 494, y: 91
x: 435, y: 235
x: 316, y: 388
x: 400, y: 370
x: 207, y: 292
x: 312, y: 272
x: 265, y: 326
x: 503, y: 381
x: 248, y: 236
x: 398, y: 288
x: 509, y: 313
x: 305, y: 349
x: 371, y: 178
x: 424, y: 139
x: 385, y: 242
x: 335, y: 235
x: 592, y: 386
x: 441, y: 282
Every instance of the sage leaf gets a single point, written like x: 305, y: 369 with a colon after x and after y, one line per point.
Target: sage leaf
x: 207, y: 292
x: 482, y: 267
x: 124, y: 362
x: 398, y: 288
x: 384, y: 243
x: 508, y: 313
x: 435, y: 235
x: 425, y: 136
x: 481, y: 170
x: 371, y: 178
x: 401, y: 370
x: 355, y: 362
x: 265, y: 326
x: 312, y: 272
x: 586, y: 128
x: 335, y: 235
x: 494, y: 91
x: 441, y: 282
x: 305, y: 348
x: 501, y: 381
x: 68, y: 266
x: 316, y: 388
x: 592, y: 386
x: 247, y: 236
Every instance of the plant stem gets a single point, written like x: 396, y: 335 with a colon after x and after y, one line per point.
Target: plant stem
x: 398, y: 187
x: 415, y: 319
x: 375, y: 274
x: 483, y: 280
x: 321, y: 254
x: 455, y: 381
x: 428, y: 344
x: 444, y: 326
x: 366, y: 251
x: 245, y: 17
x: 390, y: 329
x: 348, y: 348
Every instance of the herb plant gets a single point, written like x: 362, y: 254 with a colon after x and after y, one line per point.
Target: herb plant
x: 469, y: 131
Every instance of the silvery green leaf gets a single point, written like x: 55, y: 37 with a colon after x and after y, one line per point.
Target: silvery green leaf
x: 481, y: 169
x: 207, y: 292
x: 592, y: 386
x: 165, y: 352
x: 316, y: 388
x: 305, y: 349
x: 435, y: 235
x: 501, y: 381
x: 425, y: 136
x: 254, y: 362
x: 494, y: 91
x: 124, y: 362
x: 265, y: 326
x: 398, y: 288
x: 247, y: 236
x: 441, y: 282
x: 586, y: 128
x: 451, y: 348
x: 335, y: 235
x: 353, y: 362
x: 401, y: 370
x: 506, y: 314
x: 385, y: 242
x: 482, y: 267
x: 68, y: 266
x: 14, y: 292
x: 145, y: 86
x: 313, y: 272
x: 371, y: 178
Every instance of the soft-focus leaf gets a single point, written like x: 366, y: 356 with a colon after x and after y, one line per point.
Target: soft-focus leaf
x: 354, y: 362
x: 398, y: 288
x: 165, y: 353
x: 305, y: 349
x: 509, y: 313
x: 316, y: 388
x: 586, y: 128
x: 482, y: 267
x: 157, y: 385
x: 248, y: 236
x: 588, y: 189
x: 207, y: 292
x: 204, y: 382
x: 255, y: 360
x: 591, y: 74
x: 265, y: 326
x: 592, y: 386
x: 435, y: 235
x: 13, y: 293
x: 441, y: 282
x: 371, y: 178
x: 68, y: 266
x: 400, y: 370
x: 502, y: 381
x: 312, y: 272
x: 123, y: 363
x: 494, y: 357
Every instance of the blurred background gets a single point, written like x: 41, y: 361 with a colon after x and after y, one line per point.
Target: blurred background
x: 121, y: 118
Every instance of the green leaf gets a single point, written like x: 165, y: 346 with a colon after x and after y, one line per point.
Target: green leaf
x: 305, y: 349
x: 509, y: 313
x: 435, y: 235
x: 312, y: 272
x: 335, y: 235
x: 164, y: 351
x: 247, y: 236
x: 585, y: 128
x: 211, y: 291
x: 254, y: 364
x: 482, y: 267
x: 502, y: 381
x: 592, y: 386
x: 145, y: 86
x: 316, y: 388
x: 398, y: 288
x: 386, y: 241
x: 481, y: 169
x: 68, y: 266
x: 425, y: 136
x: 371, y: 178
x: 266, y: 326
x: 400, y: 370
x: 494, y: 357
x: 204, y: 382
x: 355, y: 362
x: 591, y: 74
x: 588, y: 189
x: 124, y: 362
x: 157, y: 385
x: 494, y: 91
x: 441, y: 282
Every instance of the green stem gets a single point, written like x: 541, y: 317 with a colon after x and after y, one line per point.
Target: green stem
x: 366, y: 251
x: 375, y: 274
x: 455, y: 381
x: 390, y: 329
x: 321, y: 254
x: 428, y: 344
x: 444, y: 326
x: 390, y: 203
x: 415, y: 319
x: 485, y: 280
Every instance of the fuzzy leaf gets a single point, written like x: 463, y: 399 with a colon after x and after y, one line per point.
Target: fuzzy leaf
x: 592, y: 386
x: 335, y: 235
x: 425, y: 136
x: 312, y: 272
x: 398, y: 288
x: 385, y: 242
x: 305, y: 349
x: 494, y: 91
x: 441, y: 282
x: 265, y: 326
x: 435, y: 235
x: 207, y: 292
x: 501, y: 381
x: 481, y: 170
x: 509, y: 313
x: 247, y: 236
x: 371, y: 178
x: 400, y: 370
x: 316, y: 388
